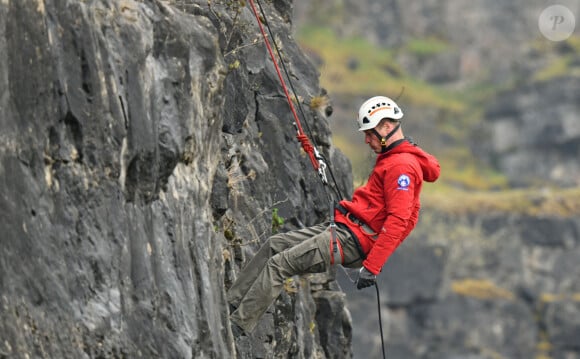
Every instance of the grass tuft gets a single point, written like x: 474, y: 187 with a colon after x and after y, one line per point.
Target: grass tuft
x: 482, y: 289
x: 532, y: 202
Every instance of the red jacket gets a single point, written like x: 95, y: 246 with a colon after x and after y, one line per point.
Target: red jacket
x: 389, y: 202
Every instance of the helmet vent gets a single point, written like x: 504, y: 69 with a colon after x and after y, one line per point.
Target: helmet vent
x: 365, y: 120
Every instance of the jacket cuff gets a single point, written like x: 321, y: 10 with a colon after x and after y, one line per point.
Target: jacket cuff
x: 371, y: 268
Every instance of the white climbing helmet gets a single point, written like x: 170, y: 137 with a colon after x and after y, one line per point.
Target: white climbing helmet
x: 375, y: 109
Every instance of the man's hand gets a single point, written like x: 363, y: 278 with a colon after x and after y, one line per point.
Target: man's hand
x: 365, y: 278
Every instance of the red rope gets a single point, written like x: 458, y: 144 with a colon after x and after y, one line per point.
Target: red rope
x: 306, y: 145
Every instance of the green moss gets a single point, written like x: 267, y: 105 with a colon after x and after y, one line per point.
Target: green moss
x: 329, y: 13
x: 574, y: 42
x: 277, y: 221
x: 482, y: 289
x: 460, y: 170
x: 424, y: 47
x: 560, y: 66
x: 353, y: 66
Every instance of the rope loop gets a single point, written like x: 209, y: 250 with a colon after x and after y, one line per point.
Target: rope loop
x: 306, y: 145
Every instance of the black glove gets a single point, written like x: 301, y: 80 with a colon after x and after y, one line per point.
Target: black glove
x: 365, y: 278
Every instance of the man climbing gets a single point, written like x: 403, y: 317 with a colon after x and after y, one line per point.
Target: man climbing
x: 368, y: 229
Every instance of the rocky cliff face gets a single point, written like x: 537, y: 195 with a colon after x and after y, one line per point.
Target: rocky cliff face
x: 533, y: 133
x: 145, y: 147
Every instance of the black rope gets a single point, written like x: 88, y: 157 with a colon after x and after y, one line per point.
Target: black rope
x: 378, y: 309
x: 336, y: 189
x: 286, y: 71
x: 380, y: 319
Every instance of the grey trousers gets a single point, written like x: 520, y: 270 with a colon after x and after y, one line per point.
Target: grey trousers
x: 280, y: 257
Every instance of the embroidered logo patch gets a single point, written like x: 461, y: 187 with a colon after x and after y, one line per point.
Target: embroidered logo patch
x: 403, y: 182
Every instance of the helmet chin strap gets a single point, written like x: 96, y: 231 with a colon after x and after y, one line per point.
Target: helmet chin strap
x: 384, y: 139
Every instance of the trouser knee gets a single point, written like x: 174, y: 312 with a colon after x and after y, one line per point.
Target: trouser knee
x: 277, y: 243
x: 281, y: 267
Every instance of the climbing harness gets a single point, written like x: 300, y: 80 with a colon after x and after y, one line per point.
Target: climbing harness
x: 337, y: 255
x: 317, y: 160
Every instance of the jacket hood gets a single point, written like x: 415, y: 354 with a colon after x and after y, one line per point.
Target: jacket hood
x: 428, y: 162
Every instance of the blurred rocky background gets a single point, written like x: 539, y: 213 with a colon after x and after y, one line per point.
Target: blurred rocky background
x: 489, y: 272
x: 147, y: 150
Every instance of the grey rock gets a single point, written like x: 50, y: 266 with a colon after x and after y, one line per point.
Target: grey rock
x: 140, y: 165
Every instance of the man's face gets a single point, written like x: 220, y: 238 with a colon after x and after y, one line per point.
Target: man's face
x: 373, y: 141
x: 371, y: 138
